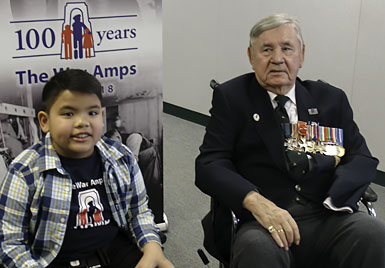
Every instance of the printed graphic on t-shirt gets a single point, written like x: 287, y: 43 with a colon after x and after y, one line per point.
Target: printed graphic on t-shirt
x: 90, y: 207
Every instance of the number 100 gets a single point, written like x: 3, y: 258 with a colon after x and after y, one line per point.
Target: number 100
x: 32, y: 38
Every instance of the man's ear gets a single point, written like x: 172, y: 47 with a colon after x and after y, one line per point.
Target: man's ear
x: 43, y: 121
x: 302, y: 55
x: 250, y: 57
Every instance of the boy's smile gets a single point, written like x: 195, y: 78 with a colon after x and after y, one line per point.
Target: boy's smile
x: 75, y: 122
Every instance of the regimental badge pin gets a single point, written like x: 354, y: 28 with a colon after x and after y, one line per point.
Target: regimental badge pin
x: 312, y: 111
x: 256, y: 117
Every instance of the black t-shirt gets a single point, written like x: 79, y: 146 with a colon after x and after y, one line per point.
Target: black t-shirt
x: 90, y: 224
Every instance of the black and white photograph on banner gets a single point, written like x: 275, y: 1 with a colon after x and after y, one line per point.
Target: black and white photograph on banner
x: 118, y: 41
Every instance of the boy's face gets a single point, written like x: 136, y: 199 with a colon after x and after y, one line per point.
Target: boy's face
x: 75, y: 122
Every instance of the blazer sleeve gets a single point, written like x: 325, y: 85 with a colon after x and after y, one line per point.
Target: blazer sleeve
x: 357, y: 168
x: 216, y: 174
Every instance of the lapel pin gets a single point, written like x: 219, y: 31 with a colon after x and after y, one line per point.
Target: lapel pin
x: 256, y: 117
x: 312, y: 111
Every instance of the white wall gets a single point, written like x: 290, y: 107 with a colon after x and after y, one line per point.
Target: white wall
x: 344, y: 40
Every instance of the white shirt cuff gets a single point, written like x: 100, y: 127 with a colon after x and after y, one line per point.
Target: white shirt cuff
x: 328, y: 203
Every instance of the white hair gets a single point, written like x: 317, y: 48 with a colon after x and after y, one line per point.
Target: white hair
x: 274, y: 21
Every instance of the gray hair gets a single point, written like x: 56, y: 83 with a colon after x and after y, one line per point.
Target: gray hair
x: 274, y: 21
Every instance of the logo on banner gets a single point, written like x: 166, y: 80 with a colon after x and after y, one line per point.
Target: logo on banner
x: 74, y: 38
x: 76, y: 33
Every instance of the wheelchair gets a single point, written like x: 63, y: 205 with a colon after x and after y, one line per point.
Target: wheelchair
x: 219, y: 236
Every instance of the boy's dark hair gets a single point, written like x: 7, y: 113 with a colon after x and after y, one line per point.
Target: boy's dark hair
x: 71, y: 79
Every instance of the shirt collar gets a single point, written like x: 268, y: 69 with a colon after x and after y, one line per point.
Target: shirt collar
x: 290, y: 94
x: 49, y: 159
x: 111, y: 151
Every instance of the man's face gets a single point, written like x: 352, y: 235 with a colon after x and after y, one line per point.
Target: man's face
x: 276, y: 56
x: 75, y: 122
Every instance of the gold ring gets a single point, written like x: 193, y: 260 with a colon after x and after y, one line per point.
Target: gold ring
x: 271, y: 228
x: 280, y: 231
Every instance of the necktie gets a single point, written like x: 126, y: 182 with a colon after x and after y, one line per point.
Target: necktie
x: 280, y: 110
x: 298, y: 161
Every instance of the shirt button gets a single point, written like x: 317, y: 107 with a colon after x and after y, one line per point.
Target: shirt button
x: 298, y: 188
x: 56, y: 246
x: 67, y: 189
x: 62, y: 220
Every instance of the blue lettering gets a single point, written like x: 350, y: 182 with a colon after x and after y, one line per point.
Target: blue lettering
x: 101, y: 36
x: 32, y: 38
x: 44, y: 39
x: 123, y: 71
x: 36, y: 39
x: 21, y: 73
x: 117, y: 34
x: 111, y: 71
x: 133, y: 69
x: 109, y: 34
x: 98, y: 71
x: 43, y: 77
x: 120, y: 71
x: 31, y: 78
x: 133, y: 33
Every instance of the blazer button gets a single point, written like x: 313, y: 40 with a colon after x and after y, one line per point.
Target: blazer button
x: 298, y: 188
x: 256, y: 117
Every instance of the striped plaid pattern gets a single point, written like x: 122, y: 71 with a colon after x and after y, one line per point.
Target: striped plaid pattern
x: 35, y: 199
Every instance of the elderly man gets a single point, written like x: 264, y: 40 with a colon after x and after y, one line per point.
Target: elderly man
x: 286, y: 156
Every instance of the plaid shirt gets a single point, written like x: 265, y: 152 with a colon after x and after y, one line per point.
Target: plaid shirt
x: 35, y: 200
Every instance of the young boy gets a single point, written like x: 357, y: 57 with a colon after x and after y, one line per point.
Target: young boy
x: 76, y: 199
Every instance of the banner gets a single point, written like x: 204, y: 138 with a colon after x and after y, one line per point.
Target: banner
x: 118, y: 41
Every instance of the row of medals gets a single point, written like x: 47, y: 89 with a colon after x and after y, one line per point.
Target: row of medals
x: 298, y: 142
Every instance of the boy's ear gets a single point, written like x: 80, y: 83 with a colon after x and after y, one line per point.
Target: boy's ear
x: 43, y: 121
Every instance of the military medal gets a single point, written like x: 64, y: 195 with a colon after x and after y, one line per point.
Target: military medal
x: 302, y: 129
x: 334, y: 150
x: 312, y: 138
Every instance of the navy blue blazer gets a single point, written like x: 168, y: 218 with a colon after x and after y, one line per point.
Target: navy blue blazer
x: 240, y: 153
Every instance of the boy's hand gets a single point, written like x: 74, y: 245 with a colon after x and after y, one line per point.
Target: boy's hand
x: 153, y: 257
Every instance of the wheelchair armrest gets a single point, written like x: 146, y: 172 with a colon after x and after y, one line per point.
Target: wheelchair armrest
x: 369, y: 195
x: 214, y: 84
x: 163, y: 237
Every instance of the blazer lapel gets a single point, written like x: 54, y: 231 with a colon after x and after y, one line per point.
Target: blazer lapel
x: 266, y: 125
x: 306, y: 105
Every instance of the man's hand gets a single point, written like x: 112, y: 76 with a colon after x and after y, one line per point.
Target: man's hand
x: 277, y: 221
x: 153, y: 257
